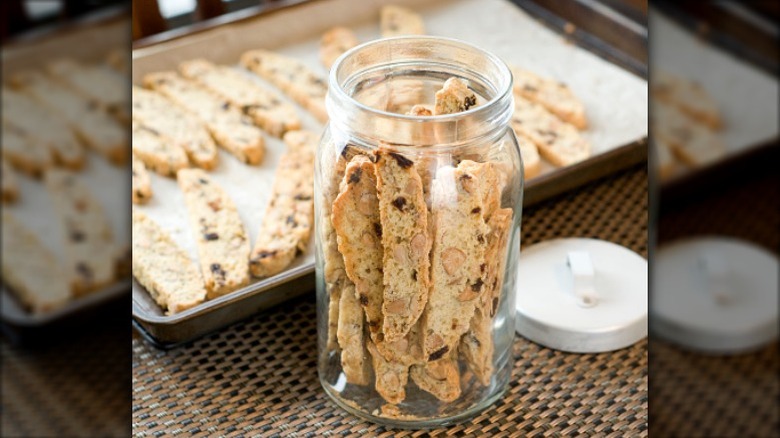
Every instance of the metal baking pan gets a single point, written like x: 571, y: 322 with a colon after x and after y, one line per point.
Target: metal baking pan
x: 729, y: 41
x: 75, y: 39
x: 224, y: 39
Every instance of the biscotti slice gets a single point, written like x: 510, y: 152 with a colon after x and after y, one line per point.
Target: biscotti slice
x: 665, y: 162
x: 689, y: 97
x: 391, y: 377
x: 97, y: 82
x: 692, y: 143
x: 289, y: 217
x: 334, y: 43
x: 440, y: 378
x: 30, y: 269
x: 555, y: 96
x: 398, y: 21
x: 8, y: 183
x: 156, y: 151
x: 27, y: 115
x: 229, y: 127
x: 142, y: 186
x: 354, y: 361
x: 28, y: 155
x: 457, y: 268
x: 476, y: 346
x: 558, y: 142
x: 263, y: 106
x: 359, y: 231
x: 291, y: 76
x: 302, y: 141
x: 335, y: 274
x: 88, y: 240
x: 454, y: 97
x: 163, y: 268
x: 223, y: 246
x: 159, y: 115
x: 99, y: 131
x: 532, y: 164
x: 405, y: 240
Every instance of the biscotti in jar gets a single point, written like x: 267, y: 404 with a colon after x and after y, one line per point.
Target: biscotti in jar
x: 418, y: 191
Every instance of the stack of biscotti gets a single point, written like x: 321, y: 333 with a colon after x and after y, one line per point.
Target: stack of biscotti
x: 548, y: 119
x: 58, y: 118
x: 423, y: 256
x: 686, y: 122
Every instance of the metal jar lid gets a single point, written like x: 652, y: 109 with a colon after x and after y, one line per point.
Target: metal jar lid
x: 581, y: 295
x: 716, y: 295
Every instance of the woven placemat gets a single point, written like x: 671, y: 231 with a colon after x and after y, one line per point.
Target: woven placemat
x: 697, y: 395
x: 259, y: 377
x: 75, y: 387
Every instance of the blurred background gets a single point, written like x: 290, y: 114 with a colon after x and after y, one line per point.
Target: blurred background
x: 65, y: 346
x: 713, y: 352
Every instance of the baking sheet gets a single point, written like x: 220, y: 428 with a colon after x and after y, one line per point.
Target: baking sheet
x: 34, y: 208
x: 615, y: 100
x: 746, y: 96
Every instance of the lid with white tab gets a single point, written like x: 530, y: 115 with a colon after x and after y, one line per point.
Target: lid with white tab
x: 581, y: 295
x: 716, y: 295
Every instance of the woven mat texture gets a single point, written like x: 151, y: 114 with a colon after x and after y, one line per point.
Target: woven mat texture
x: 697, y: 395
x: 259, y: 377
x: 74, y: 388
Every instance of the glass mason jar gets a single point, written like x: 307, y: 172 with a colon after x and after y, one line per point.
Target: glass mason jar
x: 418, y: 233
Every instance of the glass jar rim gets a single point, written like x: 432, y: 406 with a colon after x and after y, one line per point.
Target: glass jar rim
x: 493, y: 113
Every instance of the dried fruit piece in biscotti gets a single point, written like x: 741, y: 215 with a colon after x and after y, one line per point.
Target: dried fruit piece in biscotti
x: 8, y: 183
x: 22, y: 112
x: 289, y: 217
x: 405, y: 240
x: 30, y: 269
x: 291, y: 76
x: 354, y: 361
x: 440, y: 378
x: 223, y: 246
x: 391, y: 377
x: 142, y: 186
x: 156, y: 151
x: 89, y: 243
x: 454, y: 97
x: 476, y: 346
x: 359, y: 235
x: 689, y: 97
x: 457, y: 268
x: 93, y: 126
x: 397, y: 21
x: 163, y: 268
x: 180, y: 128
x: 334, y: 43
x: 99, y: 83
x: 263, y: 106
x: 559, y: 142
x: 532, y: 165
x: 555, y: 96
x: 230, y: 128
x: 25, y: 154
